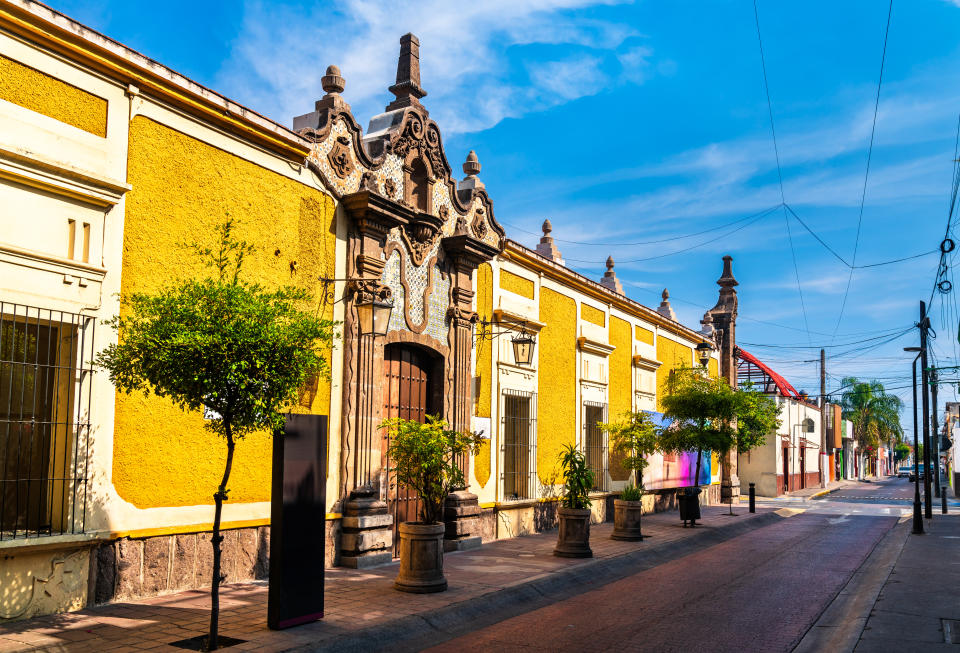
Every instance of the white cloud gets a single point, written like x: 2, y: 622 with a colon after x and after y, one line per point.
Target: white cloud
x: 469, y: 56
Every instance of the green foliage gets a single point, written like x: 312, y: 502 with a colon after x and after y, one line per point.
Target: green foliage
x: 708, y: 415
x: 757, y: 415
x: 874, y: 413
x: 577, y: 478
x: 634, y: 438
x: 901, y: 451
x: 631, y: 492
x: 234, y: 347
x: 424, y: 459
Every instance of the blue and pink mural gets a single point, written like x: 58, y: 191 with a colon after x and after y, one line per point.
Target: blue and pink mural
x: 677, y: 470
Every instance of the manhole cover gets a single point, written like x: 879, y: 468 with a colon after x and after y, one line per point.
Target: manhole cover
x: 951, y: 631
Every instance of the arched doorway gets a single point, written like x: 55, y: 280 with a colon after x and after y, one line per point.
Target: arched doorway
x: 412, y: 390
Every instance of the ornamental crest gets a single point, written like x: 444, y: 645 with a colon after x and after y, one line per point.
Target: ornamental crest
x: 339, y: 157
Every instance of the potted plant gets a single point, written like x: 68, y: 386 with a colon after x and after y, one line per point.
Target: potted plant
x: 632, y: 440
x: 573, y: 540
x: 424, y: 459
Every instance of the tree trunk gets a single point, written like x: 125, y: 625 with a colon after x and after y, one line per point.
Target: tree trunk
x: 696, y: 479
x: 216, y: 541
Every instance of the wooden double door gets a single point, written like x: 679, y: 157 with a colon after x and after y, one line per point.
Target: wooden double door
x: 411, y: 391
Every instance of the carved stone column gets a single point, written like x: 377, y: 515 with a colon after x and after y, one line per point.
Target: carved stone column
x: 725, y: 325
x: 367, y: 535
x: 462, y: 508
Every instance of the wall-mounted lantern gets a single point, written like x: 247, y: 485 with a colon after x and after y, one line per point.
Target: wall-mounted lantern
x: 523, y: 346
x: 703, y: 353
x: 373, y: 316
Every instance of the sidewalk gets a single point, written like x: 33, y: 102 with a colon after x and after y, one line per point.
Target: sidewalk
x: 364, y: 612
x: 810, y: 492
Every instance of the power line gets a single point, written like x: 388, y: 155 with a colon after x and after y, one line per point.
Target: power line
x: 776, y: 152
x: 866, y: 176
x: 645, y: 242
x: 827, y: 346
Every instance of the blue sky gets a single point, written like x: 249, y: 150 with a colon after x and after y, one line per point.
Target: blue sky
x: 632, y: 122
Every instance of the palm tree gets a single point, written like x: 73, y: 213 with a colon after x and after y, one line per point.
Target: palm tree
x: 875, y: 415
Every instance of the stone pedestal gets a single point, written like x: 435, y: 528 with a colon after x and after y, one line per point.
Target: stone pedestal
x: 366, y: 537
x: 730, y: 489
x: 461, y: 514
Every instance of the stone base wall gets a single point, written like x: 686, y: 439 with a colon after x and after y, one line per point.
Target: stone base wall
x: 527, y: 518
x: 812, y: 480
x: 44, y: 579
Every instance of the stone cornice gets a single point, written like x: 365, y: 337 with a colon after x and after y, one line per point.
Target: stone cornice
x: 646, y: 363
x: 593, y: 347
x: 517, y: 320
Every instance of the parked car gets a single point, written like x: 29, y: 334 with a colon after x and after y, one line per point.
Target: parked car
x: 904, y: 472
x: 913, y: 472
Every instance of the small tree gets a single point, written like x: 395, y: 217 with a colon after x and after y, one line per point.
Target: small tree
x: 702, y: 410
x: 577, y: 478
x: 224, y: 345
x: 424, y: 459
x: 634, y: 438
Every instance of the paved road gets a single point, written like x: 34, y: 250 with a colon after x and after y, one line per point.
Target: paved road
x: 757, y: 592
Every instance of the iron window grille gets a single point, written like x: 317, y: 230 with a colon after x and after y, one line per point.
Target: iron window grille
x: 519, y: 444
x: 595, y: 443
x: 46, y: 383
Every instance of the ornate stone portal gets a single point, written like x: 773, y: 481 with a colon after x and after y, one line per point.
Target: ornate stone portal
x: 416, y: 238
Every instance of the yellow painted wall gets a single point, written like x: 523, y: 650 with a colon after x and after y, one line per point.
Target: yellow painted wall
x: 557, y: 382
x: 620, y: 390
x: 182, y: 189
x: 593, y: 315
x: 516, y: 284
x: 644, y: 335
x: 713, y: 367
x: 673, y: 355
x: 484, y: 349
x: 37, y: 91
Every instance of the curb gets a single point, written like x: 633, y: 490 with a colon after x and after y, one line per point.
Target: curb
x: 417, y: 631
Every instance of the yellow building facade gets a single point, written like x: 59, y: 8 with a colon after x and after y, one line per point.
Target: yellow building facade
x: 112, y: 165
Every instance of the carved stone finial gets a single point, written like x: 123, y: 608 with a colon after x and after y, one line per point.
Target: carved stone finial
x: 707, y: 323
x: 472, y: 168
x: 546, y: 248
x: 472, y: 165
x: 407, y: 89
x: 333, y: 82
x: 726, y: 279
x: 610, y: 280
x: 665, y: 309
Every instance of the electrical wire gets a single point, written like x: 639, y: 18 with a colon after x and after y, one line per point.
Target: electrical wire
x: 866, y: 176
x: 776, y: 152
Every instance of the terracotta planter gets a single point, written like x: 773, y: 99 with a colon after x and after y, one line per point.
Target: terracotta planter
x: 626, y: 520
x: 421, y: 558
x: 573, y: 540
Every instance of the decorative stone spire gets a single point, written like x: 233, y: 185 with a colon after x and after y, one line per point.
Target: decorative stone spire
x: 665, y: 309
x: 546, y: 248
x: 472, y: 168
x: 726, y: 279
x: 408, y: 89
x: 333, y: 84
x: 610, y: 280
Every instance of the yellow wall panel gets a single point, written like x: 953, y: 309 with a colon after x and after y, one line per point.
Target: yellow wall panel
x: 182, y: 189
x: 516, y: 284
x: 593, y: 315
x: 621, y: 378
x: 37, y: 91
x: 557, y: 386
x: 644, y: 335
x: 713, y: 367
x: 673, y: 355
x: 484, y: 349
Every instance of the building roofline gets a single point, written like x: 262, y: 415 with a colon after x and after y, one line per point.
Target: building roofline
x: 51, y: 29
x: 525, y: 256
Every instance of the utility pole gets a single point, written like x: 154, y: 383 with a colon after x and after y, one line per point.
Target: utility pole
x: 824, y: 459
x: 936, y: 434
x: 924, y: 387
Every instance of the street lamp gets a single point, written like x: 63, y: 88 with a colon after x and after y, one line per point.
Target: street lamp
x: 917, y: 516
x: 373, y: 316
x: 523, y: 346
x: 703, y: 353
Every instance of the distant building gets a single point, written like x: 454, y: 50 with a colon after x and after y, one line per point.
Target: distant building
x: 789, y: 460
